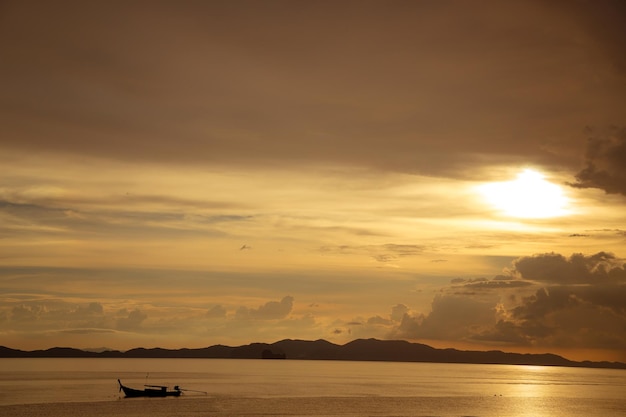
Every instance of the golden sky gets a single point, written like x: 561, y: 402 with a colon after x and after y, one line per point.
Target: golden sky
x: 183, y: 174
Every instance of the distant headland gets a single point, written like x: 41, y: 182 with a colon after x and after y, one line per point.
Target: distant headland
x: 357, y: 350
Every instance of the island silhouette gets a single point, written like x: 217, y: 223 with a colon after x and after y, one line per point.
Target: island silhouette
x: 356, y: 350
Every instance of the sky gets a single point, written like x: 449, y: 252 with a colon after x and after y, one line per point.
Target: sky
x: 191, y: 173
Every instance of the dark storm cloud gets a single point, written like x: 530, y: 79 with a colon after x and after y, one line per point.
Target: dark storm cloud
x: 599, y: 268
x: 544, y: 302
x: 605, y: 164
x: 423, y: 86
x: 566, y: 316
x: 577, y: 302
x: 554, y: 317
x: 551, y: 299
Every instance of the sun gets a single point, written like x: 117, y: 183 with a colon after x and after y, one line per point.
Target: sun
x: 527, y: 196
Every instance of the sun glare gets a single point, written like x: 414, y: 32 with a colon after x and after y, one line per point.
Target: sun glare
x: 527, y: 196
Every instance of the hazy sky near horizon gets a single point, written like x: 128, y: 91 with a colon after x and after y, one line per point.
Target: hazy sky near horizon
x: 188, y: 173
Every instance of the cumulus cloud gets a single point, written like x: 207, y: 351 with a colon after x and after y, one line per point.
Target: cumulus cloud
x: 605, y: 162
x: 215, y: 312
x: 570, y: 302
x: 452, y: 317
x: 379, y: 326
x: 90, y: 309
x: 26, y: 312
x: 544, y: 302
x: 601, y: 267
x: 565, y: 317
x: 398, y: 311
x: 269, y: 311
x: 55, y: 311
x: 132, y: 320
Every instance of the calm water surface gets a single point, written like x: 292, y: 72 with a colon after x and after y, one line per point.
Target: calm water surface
x: 88, y: 387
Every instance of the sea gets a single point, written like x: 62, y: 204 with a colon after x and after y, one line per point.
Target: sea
x: 232, y: 387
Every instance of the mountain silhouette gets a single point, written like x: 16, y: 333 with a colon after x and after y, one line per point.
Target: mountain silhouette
x: 356, y: 350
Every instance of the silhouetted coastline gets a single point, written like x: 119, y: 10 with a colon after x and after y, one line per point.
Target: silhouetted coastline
x: 357, y: 350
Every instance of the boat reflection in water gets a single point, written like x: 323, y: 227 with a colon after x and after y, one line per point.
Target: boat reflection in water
x: 150, y: 391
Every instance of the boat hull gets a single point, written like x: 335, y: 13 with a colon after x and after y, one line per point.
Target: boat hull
x: 148, y: 392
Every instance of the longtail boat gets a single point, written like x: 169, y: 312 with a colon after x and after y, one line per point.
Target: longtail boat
x: 150, y: 391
